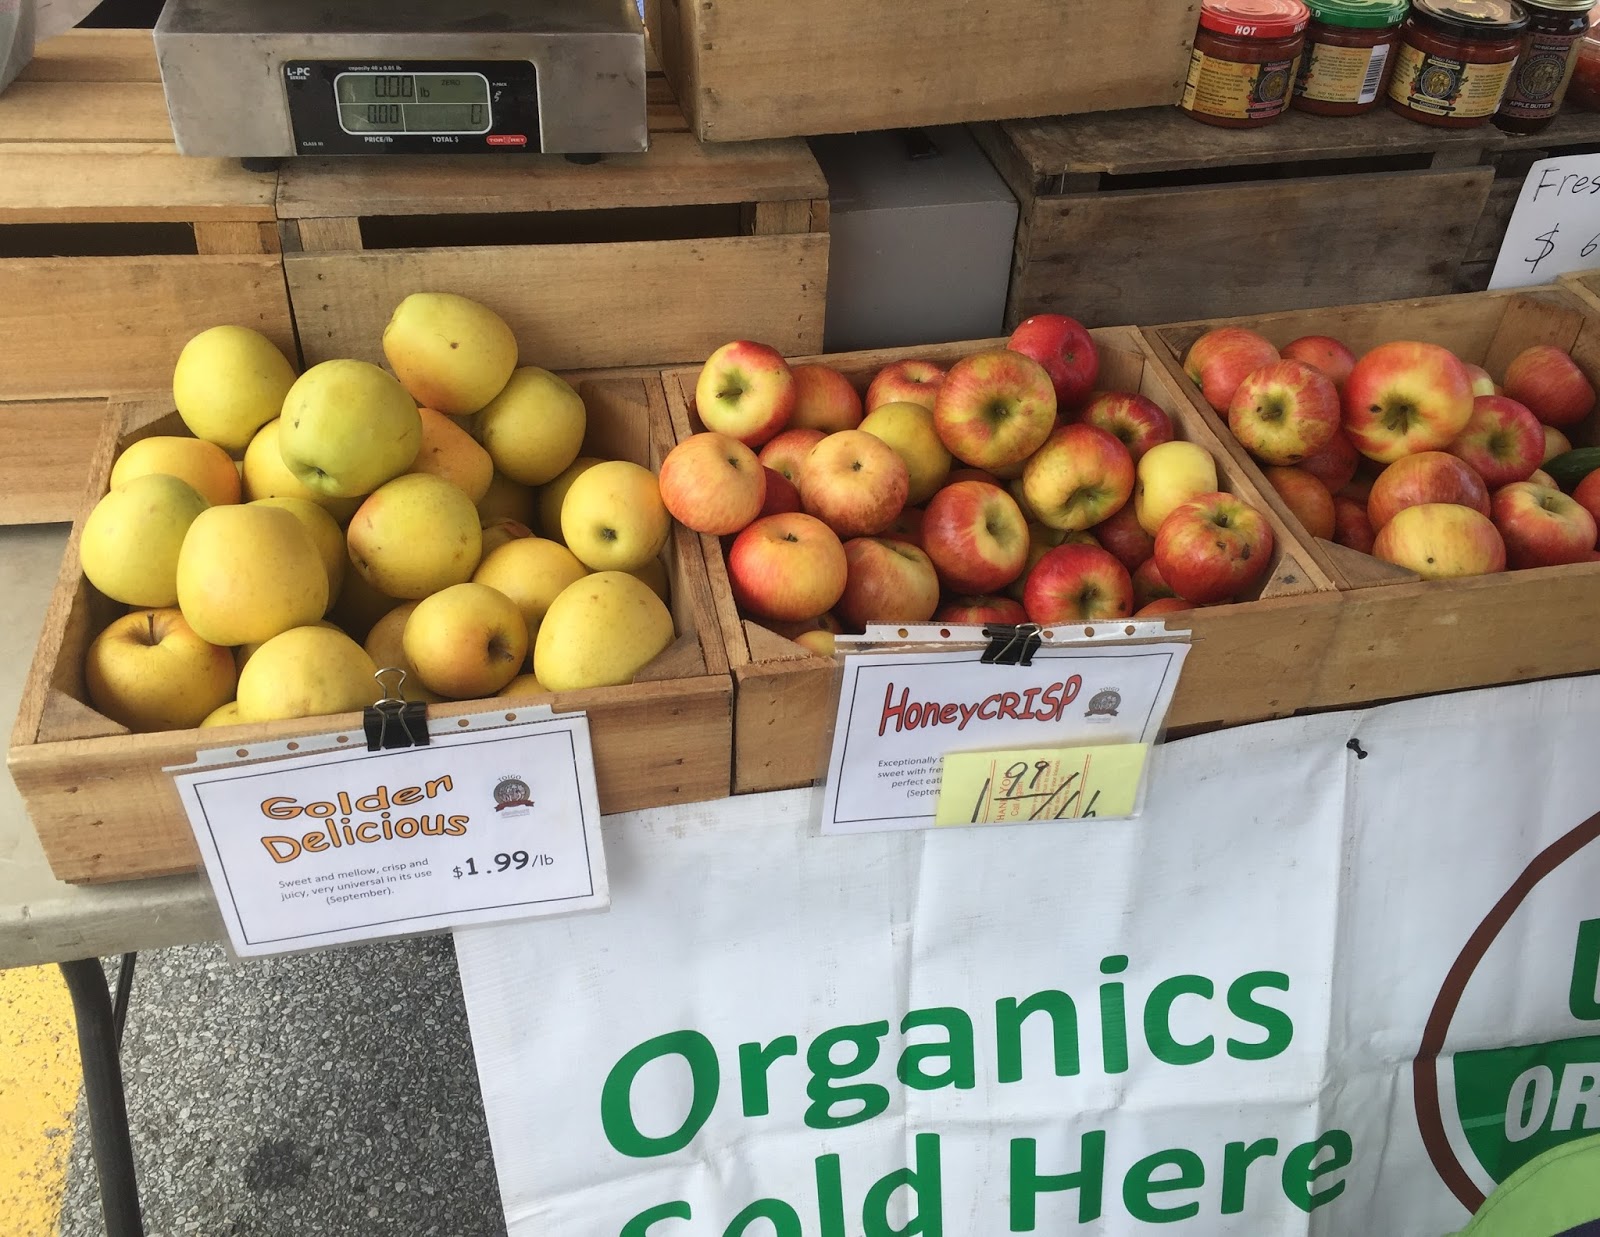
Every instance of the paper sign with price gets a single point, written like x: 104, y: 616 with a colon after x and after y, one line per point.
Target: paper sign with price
x: 919, y: 733
x: 1555, y: 228
x: 335, y: 844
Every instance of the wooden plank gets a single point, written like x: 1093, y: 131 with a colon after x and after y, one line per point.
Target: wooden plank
x: 227, y: 237
x: 676, y: 171
x: 45, y: 449
x: 1585, y: 285
x: 1490, y: 231
x: 329, y: 235
x: 1169, y: 254
x: 745, y: 72
x: 94, y: 56
x: 132, y: 188
x: 69, y: 112
x: 580, y: 306
x: 777, y: 218
x: 79, y: 327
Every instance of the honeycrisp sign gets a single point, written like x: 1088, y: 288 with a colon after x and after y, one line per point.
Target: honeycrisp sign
x: 1343, y: 976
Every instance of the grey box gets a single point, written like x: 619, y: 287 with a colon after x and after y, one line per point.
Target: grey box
x: 921, y: 231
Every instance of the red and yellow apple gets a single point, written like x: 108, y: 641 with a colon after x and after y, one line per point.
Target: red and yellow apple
x: 1078, y: 584
x: 907, y: 527
x: 1542, y: 527
x: 824, y: 400
x: 1148, y: 584
x: 1351, y: 527
x: 712, y: 483
x: 1307, y: 499
x: 1213, y: 548
x: 1066, y: 350
x: 1441, y: 541
x: 1164, y: 605
x: 745, y: 390
x: 1324, y: 353
x: 1406, y: 397
x: 1336, y: 464
x: 1284, y: 412
x: 1555, y: 443
x: 1123, y: 535
x: 980, y: 611
x: 854, y: 483
x: 781, y: 496
x: 1134, y: 421
x: 995, y: 409
x: 976, y: 537
x: 1549, y: 383
x: 1078, y: 477
x: 1171, y: 474
x: 906, y: 382
x: 786, y: 452
x: 1427, y: 477
x: 1503, y: 442
x: 1220, y: 359
x: 789, y: 567
x: 887, y: 582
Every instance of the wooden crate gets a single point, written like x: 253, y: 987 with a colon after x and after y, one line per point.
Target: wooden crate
x: 809, y: 67
x: 111, y: 245
x: 1397, y: 635
x: 1251, y: 661
x: 104, y: 810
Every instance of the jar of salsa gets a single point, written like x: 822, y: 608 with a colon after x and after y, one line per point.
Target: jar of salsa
x: 1585, y: 89
x: 1455, y: 60
x: 1549, y: 55
x: 1242, y: 69
x: 1348, y: 54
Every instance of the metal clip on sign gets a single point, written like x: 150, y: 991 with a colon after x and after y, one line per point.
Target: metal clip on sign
x: 394, y: 722
x: 1012, y: 645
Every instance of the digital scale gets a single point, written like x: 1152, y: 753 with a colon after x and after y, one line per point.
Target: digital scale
x: 264, y: 79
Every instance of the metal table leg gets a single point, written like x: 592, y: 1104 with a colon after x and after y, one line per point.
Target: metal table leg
x: 102, y: 1086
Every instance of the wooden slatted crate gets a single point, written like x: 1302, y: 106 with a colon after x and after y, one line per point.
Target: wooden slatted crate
x: 1251, y: 660
x: 1397, y: 635
x: 104, y: 810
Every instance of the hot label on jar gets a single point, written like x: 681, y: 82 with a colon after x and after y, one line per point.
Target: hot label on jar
x: 1442, y: 86
x: 1239, y: 91
x: 1331, y: 74
x: 1543, y: 72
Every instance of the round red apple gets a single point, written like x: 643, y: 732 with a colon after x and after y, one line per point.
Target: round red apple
x: 1148, y: 584
x: 1220, y: 359
x: 1555, y: 443
x: 1307, y: 499
x: 854, y: 483
x: 1587, y: 494
x: 1213, y: 548
x: 888, y: 582
x: 1542, y: 527
x: 1065, y: 348
x: 1503, y: 442
x: 1134, y: 421
x: 976, y: 536
x: 995, y: 409
x: 788, y: 567
x: 1078, y: 584
x: 1164, y: 605
x: 786, y: 452
x: 980, y: 611
x: 781, y: 494
x: 1324, y: 353
x: 1427, y: 477
x: 1122, y: 534
x: 712, y: 483
x: 1077, y: 478
x: 1284, y: 412
x: 745, y: 390
x: 1406, y: 397
x: 906, y: 382
x: 1336, y: 464
x: 824, y: 400
x: 1441, y: 541
x: 1351, y: 527
x: 1550, y: 384
x: 907, y: 527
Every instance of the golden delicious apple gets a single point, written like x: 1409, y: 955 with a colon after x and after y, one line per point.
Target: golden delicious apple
x: 467, y: 641
x: 600, y: 632
x: 554, y: 493
x: 228, y: 383
x: 204, y: 465
x: 347, y: 427
x: 132, y: 539
x: 450, y: 452
x: 414, y: 536
x: 613, y: 518
x: 498, y: 532
x: 524, y: 685
x: 325, y: 533
x: 654, y: 573
x: 222, y: 715
x: 360, y: 606
x: 451, y: 353
x: 534, y: 428
x: 508, y: 500
x: 532, y: 572
x: 149, y: 671
x: 267, y: 476
x: 247, y: 573
x: 244, y: 652
x: 306, y: 672
x: 908, y: 428
x: 1169, y: 475
x: 384, y: 644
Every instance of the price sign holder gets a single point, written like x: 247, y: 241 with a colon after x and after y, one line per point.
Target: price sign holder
x: 407, y: 825
x: 1555, y: 227
x: 951, y: 726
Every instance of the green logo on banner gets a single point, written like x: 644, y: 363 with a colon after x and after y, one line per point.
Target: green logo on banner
x: 1517, y: 1103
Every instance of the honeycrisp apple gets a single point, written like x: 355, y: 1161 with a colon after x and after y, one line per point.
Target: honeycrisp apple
x: 1134, y: 421
x: 1441, y: 541
x: 1335, y: 465
x: 786, y: 452
x: 1406, y: 397
x: 1503, y: 442
x: 1149, y: 585
x: 909, y: 430
x: 1123, y: 535
x: 911, y: 382
x: 1324, y: 353
x: 1587, y: 493
x: 887, y: 582
x: 854, y: 483
x: 149, y: 671
x: 907, y: 527
x: 1550, y: 384
x: 1483, y: 382
x: 712, y: 483
x: 1427, y: 477
x: 789, y: 567
x: 1213, y: 548
x: 1164, y: 605
x: 980, y: 611
x: 995, y: 409
x: 1542, y: 527
x: 745, y: 390
x: 1078, y: 584
x: 1065, y: 348
x: 1171, y: 474
x: 1555, y: 443
x: 1284, y: 412
x: 1307, y: 498
x: 781, y: 495
x: 824, y: 400
x: 1078, y: 477
x: 1351, y: 527
x: 1220, y: 359
x: 976, y: 536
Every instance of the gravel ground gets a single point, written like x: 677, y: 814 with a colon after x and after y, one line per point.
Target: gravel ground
x: 331, y: 1093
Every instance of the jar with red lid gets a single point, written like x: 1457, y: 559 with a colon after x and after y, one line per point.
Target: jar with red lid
x: 1455, y: 60
x: 1348, y: 55
x: 1584, y: 91
x: 1544, y: 71
x: 1246, y: 54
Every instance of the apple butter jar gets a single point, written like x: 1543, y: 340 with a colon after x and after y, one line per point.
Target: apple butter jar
x: 1349, y: 51
x: 1242, y: 69
x: 1455, y: 60
x: 1544, y: 70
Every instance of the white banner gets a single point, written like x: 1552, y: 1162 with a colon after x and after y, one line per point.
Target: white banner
x: 1207, y: 1017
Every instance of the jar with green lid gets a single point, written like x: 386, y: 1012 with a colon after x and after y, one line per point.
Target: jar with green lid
x: 1544, y: 70
x: 1348, y: 55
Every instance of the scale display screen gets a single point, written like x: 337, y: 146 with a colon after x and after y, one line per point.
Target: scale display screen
x: 414, y: 102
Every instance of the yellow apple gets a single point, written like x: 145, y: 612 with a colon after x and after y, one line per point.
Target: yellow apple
x: 467, y: 641
x: 819, y: 642
x: 554, y: 493
x: 534, y: 428
x: 524, y: 685
x: 600, y: 632
x: 306, y: 672
x: 360, y: 606
x: 414, y: 536
x: 450, y: 452
x: 499, y: 532
x: 222, y: 715
x: 325, y: 533
x: 149, y: 671
x: 204, y: 465
x: 244, y: 652
x: 384, y: 644
x: 508, y: 500
x: 133, y: 538
x: 451, y: 353
x: 532, y: 572
x: 1169, y: 475
x: 613, y: 518
x: 228, y: 383
x: 247, y: 573
x: 347, y: 427
x: 908, y: 428
x: 654, y: 573
x: 267, y: 476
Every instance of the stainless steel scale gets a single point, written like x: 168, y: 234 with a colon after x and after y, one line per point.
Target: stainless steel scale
x: 262, y: 79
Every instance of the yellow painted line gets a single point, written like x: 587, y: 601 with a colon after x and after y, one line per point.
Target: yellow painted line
x: 39, y: 1079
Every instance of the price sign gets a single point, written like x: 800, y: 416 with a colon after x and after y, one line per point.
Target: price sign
x: 333, y: 843
x: 1556, y: 225
x: 1041, y: 784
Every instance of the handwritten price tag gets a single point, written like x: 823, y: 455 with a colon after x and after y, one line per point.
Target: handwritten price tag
x: 1041, y: 784
x: 1556, y: 225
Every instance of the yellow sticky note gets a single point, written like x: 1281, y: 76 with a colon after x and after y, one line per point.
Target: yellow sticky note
x: 1040, y: 784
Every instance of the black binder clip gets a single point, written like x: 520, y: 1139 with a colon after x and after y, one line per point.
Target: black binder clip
x: 394, y: 722
x: 1012, y: 646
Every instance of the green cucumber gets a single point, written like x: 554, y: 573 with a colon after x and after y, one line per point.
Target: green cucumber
x: 1571, y: 467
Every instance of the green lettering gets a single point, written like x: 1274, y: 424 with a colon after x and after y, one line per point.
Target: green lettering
x: 785, y: 1223
x: 1114, y: 1017
x: 925, y: 1211
x: 867, y: 1039
x: 616, y: 1096
x: 1236, y: 1161
x: 830, y: 1196
x: 1585, y: 998
x: 1009, y: 1016
x: 1243, y: 1005
x: 1158, y: 1020
x: 754, y: 1062
x: 1300, y: 1169
x: 1141, y: 1183
x: 961, y: 1069
x: 1027, y: 1184
x: 640, y: 1225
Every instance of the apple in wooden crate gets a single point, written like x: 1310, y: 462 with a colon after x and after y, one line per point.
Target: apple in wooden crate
x: 1284, y: 412
x: 745, y: 390
x: 713, y: 484
x: 909, y: 381
x: 1406, y: 397
x: 976, y: 537
x: 1542, y: 527
x: 823, y: 400
x: 1065, y: 349
x: 1502, y: 442
x: 1549, y: 383
x: 1441, y: 541
x: 1213, y: 548
x: 1324, y: 353
x: 789, y: 567
x: 1427, y: 477
x: 1134, y: 421
x: 854, y: 483
x: 1078, y: 477
x: 887, y: 582
x: 995, y: 409
x: 1078, y: 584
x: 1221, y: 359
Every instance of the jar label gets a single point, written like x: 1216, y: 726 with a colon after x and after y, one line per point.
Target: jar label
x: 1543, y: 72
x: 1442, y: 86
x: 1238, y: 91
x: 1331, y: 74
